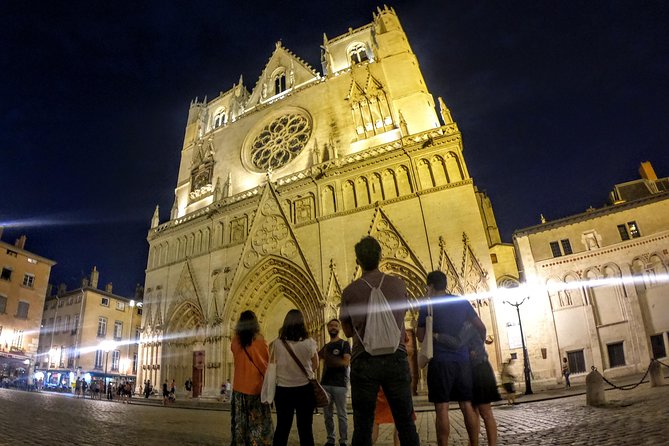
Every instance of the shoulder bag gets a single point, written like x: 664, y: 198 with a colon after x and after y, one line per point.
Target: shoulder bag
x: 269, y: 381
x: 321, y: 397
x: 426, y: 347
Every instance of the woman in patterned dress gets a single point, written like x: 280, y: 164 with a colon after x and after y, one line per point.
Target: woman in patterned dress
x: 251, y: 420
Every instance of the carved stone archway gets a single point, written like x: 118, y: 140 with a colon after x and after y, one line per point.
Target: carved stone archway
x: 272, y: 279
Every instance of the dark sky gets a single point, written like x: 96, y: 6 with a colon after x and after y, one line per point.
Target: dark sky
x: 557, y: 101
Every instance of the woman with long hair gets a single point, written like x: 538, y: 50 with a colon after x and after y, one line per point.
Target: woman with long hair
x: 294, y: 392
x: 251, y: 420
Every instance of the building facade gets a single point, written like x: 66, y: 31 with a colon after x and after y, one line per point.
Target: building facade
x: 278, y: 183
x: 89, y: 333
x: 23, y: 283
x: 598, y: 285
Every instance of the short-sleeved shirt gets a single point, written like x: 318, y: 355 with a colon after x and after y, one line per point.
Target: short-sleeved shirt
x: 288, y: 373
x: 335, y: 376
x: 449, y: 313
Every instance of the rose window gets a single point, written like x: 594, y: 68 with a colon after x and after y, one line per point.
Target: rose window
x: 280, y: 141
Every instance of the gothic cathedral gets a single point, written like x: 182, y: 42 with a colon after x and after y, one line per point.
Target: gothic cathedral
x: 277, y: 183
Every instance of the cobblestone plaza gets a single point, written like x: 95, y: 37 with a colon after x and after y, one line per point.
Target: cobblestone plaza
x: 635, y: 417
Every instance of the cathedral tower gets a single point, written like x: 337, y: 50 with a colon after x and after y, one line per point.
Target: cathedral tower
x: 278, y: 182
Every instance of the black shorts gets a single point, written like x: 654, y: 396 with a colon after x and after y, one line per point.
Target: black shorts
x: 449, y: 381
x: 484, y: 385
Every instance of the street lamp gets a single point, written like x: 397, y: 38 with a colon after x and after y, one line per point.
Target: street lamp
x: 526, y: 359
x: 107, y: 346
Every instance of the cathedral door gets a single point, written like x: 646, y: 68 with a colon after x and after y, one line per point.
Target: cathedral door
x: 198, y: 373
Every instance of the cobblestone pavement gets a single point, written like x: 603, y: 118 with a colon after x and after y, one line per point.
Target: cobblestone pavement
x: 637, y: 417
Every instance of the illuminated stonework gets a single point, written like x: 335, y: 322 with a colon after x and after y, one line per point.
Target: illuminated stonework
x: 279, y: 141
x: 302, y: 166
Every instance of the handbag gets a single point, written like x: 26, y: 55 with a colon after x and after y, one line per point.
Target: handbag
x: 269, y: 382
x: 426, y: 350
x: 321, y: 397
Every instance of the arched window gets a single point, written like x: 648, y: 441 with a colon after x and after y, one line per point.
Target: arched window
x: 220, y: 118
x: 280, y: 83
x: 328, y: 196
x: 349, y: 195
x: 453, y: 168
x: 389, y: 184
x: 424, y: 174
x: 362, y: 191
x: 403, y: 181
x: 376, y: 189
x: 358, y: 53
x: 439, y: 173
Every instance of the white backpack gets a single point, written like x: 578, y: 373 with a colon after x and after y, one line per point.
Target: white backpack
x: 382, y: 335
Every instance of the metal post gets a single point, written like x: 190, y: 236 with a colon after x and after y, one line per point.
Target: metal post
x: 526, y: 359
x: 106, y: 364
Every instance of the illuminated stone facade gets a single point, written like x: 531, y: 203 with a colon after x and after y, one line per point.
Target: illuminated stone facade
x: 24, y: 278
x: 89, y: 333
x: 598, y: 284
x: 278, y: 183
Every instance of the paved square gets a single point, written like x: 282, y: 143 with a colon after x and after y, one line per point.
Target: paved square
x: 637, y: 417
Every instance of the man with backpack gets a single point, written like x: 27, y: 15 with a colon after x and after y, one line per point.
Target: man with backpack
x: 372, y: 313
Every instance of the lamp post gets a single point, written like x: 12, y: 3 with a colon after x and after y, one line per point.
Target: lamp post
x: 526, y: 359
x: 107, y: 346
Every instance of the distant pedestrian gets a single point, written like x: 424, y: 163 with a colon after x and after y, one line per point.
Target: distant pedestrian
x: 509, y: 381
x: 110, y: 392
x: 251, y: 422
x: 147, y: 388
x: 84, y: 387
x: 166, y: 393
x: 566, y: 373
x: 188, y: 385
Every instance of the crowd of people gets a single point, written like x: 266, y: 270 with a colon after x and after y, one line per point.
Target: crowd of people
x: 378, y: 374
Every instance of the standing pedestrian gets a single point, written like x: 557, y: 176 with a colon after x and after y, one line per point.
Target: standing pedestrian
x: 484, y: 384
x: 336, y: 356
x: 449, y: 373
x: 188, y: 385
x: 166, y: 393
x: 228, y: 389
x: 251, y: 420
x: 147, y: 388
x: 389, y: 371
x: 566, y: 373
x: 294, y: 392
x: 509, y: 381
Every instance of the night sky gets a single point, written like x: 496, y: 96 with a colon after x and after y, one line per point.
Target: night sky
x: 557, y: 101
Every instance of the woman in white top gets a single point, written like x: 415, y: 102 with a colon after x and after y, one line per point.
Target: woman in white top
x: 294, y: 393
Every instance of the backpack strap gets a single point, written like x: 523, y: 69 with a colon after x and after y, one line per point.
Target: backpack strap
x: 383, y: 276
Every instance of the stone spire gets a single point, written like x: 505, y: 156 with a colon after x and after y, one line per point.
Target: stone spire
x: 227, y: 187
x: 445, y: 112
x: 403, y: 124
x: 155, y: 220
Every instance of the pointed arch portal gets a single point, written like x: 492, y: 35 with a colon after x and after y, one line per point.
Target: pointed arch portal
x: 270, y: 289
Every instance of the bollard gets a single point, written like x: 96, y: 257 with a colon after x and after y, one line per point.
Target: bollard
x: 594, y: 389
x: 656, y: 378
